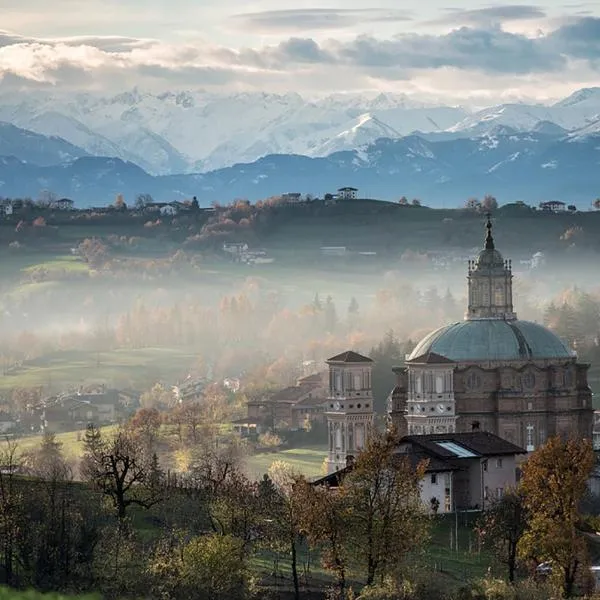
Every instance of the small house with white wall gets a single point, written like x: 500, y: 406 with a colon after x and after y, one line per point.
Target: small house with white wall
x: 347, y: 193
x: 464, y: 470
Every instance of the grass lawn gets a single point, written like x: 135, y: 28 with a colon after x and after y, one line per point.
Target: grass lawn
x: 138, y: 368
x: 308, y: 461
x: 71, y: 443
x: 468, y: 562
x: 65, y: 262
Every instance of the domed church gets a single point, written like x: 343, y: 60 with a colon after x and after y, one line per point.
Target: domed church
x: 492, y: 372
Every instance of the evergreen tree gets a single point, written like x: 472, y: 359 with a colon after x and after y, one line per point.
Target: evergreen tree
x: 330, y: 315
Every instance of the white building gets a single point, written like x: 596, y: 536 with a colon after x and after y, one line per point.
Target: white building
x: 465, y: 471
x: 347, y: 193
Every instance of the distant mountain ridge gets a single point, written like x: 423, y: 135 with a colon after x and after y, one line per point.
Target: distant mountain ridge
x: 512, y: 165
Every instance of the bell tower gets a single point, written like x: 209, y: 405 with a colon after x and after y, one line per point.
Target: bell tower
x: 349, y: 408
x: 490, y: 283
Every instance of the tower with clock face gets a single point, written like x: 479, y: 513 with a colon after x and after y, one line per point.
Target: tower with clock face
x: 430, y: 404
x: 349, y: 407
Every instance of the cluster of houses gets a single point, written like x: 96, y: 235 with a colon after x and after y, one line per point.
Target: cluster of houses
x: 11, y: 207
x: 70, y: 411
x: 240, y: 252
x: 296, y: 407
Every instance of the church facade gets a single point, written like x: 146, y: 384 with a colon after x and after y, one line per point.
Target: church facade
x: 492, y: 372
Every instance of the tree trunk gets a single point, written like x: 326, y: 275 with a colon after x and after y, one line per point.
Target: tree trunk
x: 570, y: 580
x: 295, y: 568
x: 512, y: 562
x: 371, y: 564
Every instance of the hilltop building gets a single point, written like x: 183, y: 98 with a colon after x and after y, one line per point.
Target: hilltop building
x: 347, y: 193
x: 492, y: 372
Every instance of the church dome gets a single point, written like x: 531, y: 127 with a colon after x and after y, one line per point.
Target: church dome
x: 490, y: 258
x: 493, y: 339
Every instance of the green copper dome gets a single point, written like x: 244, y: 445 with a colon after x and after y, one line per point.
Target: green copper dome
x: 493, y: 339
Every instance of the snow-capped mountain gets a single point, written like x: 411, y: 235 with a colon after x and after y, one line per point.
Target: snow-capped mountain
x: 573, y: 112
x: 188, y: 131
x: 195, y: 131
x: 512, y: 166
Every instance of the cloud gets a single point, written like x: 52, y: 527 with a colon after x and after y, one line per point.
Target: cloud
x: 312, y: 19
x: 490, y: 52
x: 579, y: 39
x: 492, y: 15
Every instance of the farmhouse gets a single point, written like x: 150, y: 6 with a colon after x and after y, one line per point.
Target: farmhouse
x: 290, y: 408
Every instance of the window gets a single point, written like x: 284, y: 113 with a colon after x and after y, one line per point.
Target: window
x: 530, y: 406
x: 528, y: 380
x: 357, y: 381
x: 499, y: 492
x: 419, y: 384
x: 434, y: 479
x: 439, y: 384
x: 499, y: 463
x: 499, y: 295
x: 473, y: 381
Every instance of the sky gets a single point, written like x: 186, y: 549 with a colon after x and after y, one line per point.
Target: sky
x: 448, y: 50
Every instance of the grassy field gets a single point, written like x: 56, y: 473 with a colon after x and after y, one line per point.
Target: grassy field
x: 308, y: 461
x: 138, y: 368
x: 71, y: 441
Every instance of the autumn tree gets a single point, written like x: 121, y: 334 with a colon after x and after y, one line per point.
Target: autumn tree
x: 489, y: 203
x: 11, y: 516
x: 145, y: 425
x: 120, y: 203
x: 324, y: 520
x: 473, y: 204
x: 207, y: 566
x: 276, y: 493
x: 554, y: 482
x: 502, y: 526
x: 387, y: 519
x: 118, y: 467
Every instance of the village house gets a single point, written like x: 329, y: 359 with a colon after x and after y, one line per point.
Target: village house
x: 465, y: 471
x: 553, y: 206
x: 78, y: 409
x: 347, y: 193
x: 63, y: 204
x: 291, y: 408
x: 7, y: 422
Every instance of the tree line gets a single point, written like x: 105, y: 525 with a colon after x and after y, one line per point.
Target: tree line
x: 120, y: 525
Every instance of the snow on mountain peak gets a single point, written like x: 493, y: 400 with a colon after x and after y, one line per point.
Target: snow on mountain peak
x: 189, y: 130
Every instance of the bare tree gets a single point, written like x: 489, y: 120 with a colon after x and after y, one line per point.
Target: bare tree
x: 119, y: 468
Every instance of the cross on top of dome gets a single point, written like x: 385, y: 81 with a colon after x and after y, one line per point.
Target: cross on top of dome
x: 489, y: 240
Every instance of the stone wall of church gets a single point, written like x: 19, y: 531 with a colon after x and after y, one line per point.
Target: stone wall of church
x: 522, y: 402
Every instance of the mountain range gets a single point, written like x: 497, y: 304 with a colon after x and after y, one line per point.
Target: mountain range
x: 178, y: 144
